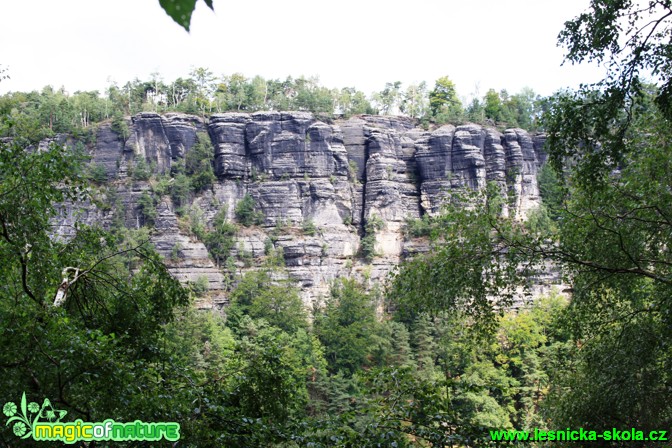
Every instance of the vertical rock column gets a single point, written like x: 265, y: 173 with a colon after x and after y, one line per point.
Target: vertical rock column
x: 467, y: 157
x: 228, y: 137
x: 521, y: 172
x: 434, y: 158
x: 149, y: 141
x: 391, y: 191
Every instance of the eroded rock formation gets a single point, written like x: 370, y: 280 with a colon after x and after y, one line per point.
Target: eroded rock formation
x: 301, y: 171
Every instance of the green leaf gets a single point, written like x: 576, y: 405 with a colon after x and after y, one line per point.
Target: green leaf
x: 180, y: 10
x: 15, y: 418
x: 24, y: 406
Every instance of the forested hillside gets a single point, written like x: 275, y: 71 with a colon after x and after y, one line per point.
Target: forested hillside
x: 52, y: 110
x: 106, y: 202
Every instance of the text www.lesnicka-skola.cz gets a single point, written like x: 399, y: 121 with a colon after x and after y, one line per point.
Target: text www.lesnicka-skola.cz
x: 575, y: 435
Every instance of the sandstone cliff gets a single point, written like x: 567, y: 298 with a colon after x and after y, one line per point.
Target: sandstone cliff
x: 305, y: 172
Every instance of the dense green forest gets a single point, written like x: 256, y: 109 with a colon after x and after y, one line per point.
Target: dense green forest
x: 432, y: 359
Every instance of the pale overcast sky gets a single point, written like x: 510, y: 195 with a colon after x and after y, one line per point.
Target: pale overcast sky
x: 479, y: 44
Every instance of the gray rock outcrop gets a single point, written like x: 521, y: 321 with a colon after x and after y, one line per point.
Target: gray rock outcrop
x: 305, y: 174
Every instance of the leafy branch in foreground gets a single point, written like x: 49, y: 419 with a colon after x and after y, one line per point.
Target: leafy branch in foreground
x: 181, y: 10
x: 475, y: 264
x: 610, y: 237
x: 88, y: 355
x: 592, y: 126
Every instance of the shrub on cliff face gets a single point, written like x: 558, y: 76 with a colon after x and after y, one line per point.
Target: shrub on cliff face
x: 97, y: 173
x: 199, y: 287
x: 120, y: 127
x: 367, y: 246
x: 420, y: 227
x: 220, y: 239
x: 246, y: 213
x: 140, y: 169
x: 309, y: 228
x: 147, y: 208
x: 180, y: 192
x: 198, y: 163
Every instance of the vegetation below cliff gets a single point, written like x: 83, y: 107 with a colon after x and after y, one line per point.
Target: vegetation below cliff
x: 127, y: 344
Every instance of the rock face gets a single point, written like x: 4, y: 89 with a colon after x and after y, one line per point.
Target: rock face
x: 317, y: 185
